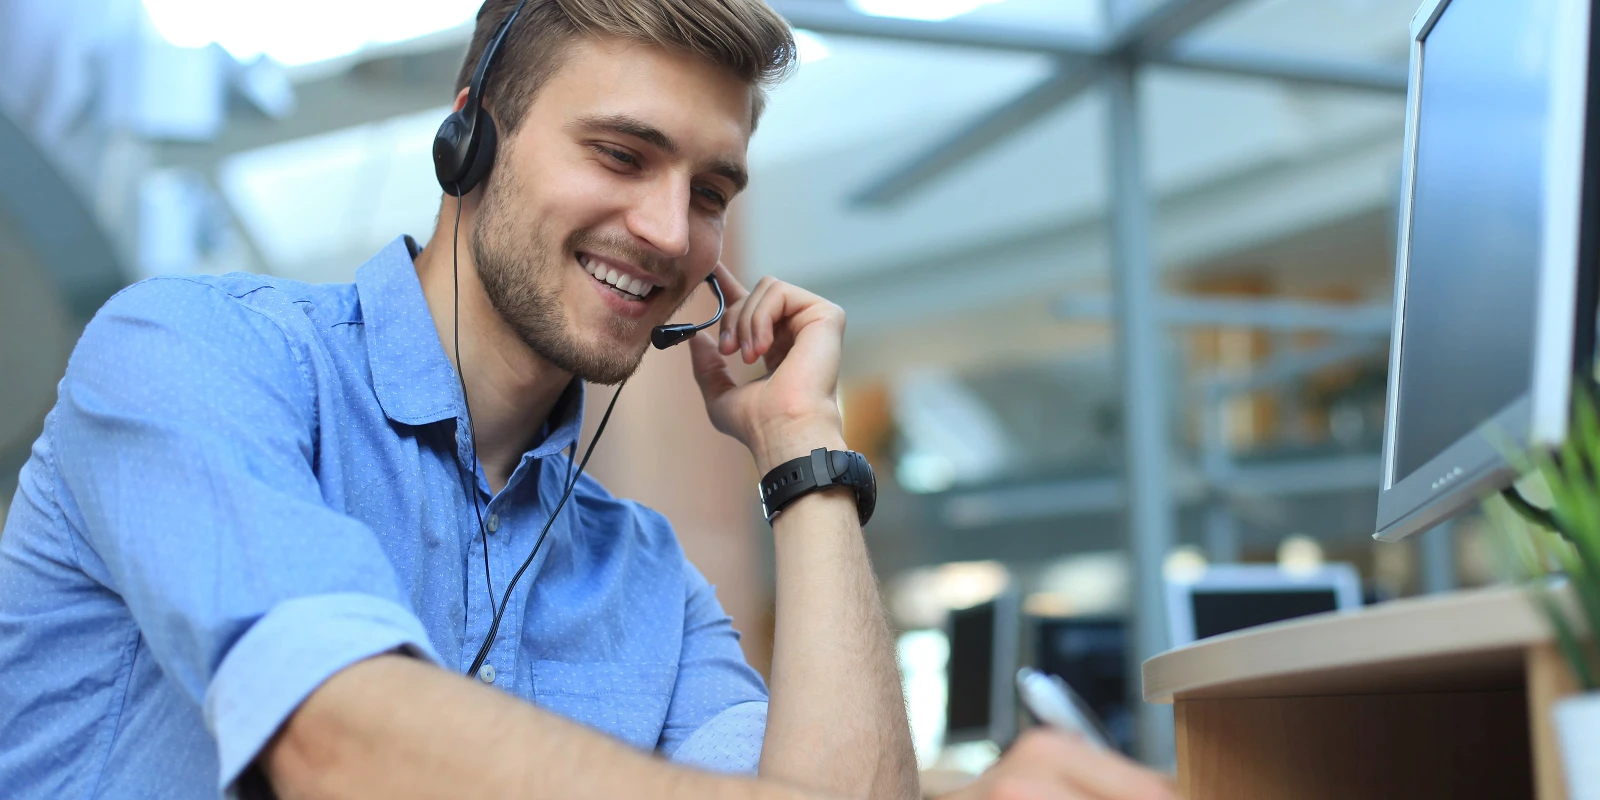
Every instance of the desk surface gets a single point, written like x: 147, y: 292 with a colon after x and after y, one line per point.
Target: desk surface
x: 1453, y: 642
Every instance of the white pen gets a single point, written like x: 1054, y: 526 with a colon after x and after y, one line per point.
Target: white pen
x: 1053, y: 702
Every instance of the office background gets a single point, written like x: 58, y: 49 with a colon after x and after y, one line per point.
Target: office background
x: 1118, y: 274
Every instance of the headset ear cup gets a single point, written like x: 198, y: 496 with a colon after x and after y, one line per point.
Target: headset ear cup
x: 482, y: 156
x: 449, y: 151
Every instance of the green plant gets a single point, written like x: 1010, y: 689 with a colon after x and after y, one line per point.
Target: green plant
x: 1563, y: 540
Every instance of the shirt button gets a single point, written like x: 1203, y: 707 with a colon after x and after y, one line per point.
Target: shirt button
x: 494, y: 522
x: 486, y: 674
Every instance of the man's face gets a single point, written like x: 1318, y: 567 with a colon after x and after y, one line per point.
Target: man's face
x: 622, y: 168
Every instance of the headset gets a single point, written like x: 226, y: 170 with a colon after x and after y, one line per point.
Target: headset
x: 463, y: 154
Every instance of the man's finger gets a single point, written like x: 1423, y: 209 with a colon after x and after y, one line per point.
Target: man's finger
x: 710, y: 371
x: 732, y: 290
x: 743, y: 333
x: 775, y: 307
x: 736, y: 296
x: 1097, y: 772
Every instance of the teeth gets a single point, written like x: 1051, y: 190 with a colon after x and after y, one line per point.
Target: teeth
x: 626, y: 283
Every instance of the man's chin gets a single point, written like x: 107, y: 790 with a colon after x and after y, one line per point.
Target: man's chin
x: 607, y: 368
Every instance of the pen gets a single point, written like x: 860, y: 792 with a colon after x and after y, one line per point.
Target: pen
x: 1053, y: 702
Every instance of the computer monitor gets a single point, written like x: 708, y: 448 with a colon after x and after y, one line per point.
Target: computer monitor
x: 1227, y: 598
x: 1091, y: 655
x: 980, y: 704
x: 1494, y: 285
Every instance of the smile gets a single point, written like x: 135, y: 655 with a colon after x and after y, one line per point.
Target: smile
x: 629, y: 287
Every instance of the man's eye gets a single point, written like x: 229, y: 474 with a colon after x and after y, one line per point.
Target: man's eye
x: 618, y: 155
x: 714, y: 196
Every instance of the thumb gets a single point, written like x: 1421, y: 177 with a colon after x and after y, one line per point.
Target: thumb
x: 710, y: 370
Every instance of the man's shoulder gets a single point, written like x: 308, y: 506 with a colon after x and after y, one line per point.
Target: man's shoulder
x: 222, y: 307
x: 268, y: 295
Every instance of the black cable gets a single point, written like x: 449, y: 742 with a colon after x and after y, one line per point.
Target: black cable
x: 461, y: 375
x: 505, y: 601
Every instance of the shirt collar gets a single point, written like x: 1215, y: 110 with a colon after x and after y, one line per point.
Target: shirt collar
x: 412, y: 377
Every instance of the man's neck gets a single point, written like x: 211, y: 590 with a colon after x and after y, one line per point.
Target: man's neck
x: 512, y: 388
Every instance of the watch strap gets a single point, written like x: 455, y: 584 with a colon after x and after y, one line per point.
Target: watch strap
x: 820, y: 469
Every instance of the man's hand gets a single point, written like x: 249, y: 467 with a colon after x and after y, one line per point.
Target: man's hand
x: 1050, y: 765
x: 836, y: 722
x: 795, y: 407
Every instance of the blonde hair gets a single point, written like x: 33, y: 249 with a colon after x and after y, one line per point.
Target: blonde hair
x: 744, y: 36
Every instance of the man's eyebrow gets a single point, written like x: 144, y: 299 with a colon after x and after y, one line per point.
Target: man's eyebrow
x: 733, y: 172
x: 629, y: 126
x: 639, y: 129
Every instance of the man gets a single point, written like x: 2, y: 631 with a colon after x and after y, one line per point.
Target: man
x: 244, y: 558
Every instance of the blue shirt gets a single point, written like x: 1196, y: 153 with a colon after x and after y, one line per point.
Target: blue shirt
x: 248, y: 484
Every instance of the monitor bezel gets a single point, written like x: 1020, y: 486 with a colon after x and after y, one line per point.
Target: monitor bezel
x: 1004, y: 657
x: 1475, y: 464
x: 1341, y: 579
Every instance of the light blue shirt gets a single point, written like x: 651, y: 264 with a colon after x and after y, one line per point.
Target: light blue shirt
x: 248, y: 484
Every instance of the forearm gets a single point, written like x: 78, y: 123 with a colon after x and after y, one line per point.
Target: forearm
x: 395, y: 727
x: 837, y: 720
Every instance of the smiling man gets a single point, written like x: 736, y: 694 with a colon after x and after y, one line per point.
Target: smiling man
x: 264, y: 532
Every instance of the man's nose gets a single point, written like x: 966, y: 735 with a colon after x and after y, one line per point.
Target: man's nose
x: 661, y: 217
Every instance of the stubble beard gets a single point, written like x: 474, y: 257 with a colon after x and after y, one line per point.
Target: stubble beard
x: 521, y: 274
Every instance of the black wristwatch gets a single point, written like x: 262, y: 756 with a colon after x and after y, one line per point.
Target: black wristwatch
x: 796, y: 478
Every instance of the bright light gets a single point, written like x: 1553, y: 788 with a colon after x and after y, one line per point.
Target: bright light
x: 1299, y: 555
x: 1086, y: 583
x: 924, y: 473
x: 1185, y: 564
x: 811, y: 46
x: 923, y: 656
x: 296, y: 32
x: 926, y: 10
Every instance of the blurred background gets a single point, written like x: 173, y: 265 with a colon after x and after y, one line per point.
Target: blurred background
x: 1118, y: 276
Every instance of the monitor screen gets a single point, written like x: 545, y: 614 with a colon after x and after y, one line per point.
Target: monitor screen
x: 971, y: 668
x: 1091, y: 656
x: 1467, y: 336
x: 1218, y: 612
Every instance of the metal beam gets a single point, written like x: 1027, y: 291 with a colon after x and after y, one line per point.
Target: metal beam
x: 1151, y: 511
x: 57, y: 225
x: 1151, y: 37
x: 1257, y: 314
x: 979, y: 509
x: 1333, y: 474
x: 1289, y: 366
x: 982, y: 132
x: 838, y: 19
x: 1324, y: 73
x: 1439, y: 558
x: 1157, y: 28
x: 369, y: 92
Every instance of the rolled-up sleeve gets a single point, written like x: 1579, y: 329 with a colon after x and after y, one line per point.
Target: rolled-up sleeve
x: 718, y: 716
x: 186, y: 439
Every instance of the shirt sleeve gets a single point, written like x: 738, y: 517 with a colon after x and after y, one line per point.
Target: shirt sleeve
x: 185, y: 437
x: 718, y: 715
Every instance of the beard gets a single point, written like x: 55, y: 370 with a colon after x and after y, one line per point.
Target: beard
x: 521, y: 274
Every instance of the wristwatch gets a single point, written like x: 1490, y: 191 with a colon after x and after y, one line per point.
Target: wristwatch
x: 799, y: 477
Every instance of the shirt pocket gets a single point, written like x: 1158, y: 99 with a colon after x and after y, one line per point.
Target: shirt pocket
x: 628, y: 701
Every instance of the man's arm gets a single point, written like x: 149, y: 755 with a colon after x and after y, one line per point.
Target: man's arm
x: 396, y: 727
x: 836, y: 720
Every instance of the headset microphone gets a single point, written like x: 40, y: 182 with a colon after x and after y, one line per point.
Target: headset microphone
x: 665, y: 336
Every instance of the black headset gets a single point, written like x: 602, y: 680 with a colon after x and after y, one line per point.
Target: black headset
x: 463, y: 154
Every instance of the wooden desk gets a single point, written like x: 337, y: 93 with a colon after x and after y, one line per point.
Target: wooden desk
x: 1445, y: 696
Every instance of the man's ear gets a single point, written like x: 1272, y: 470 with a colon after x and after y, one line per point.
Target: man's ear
x: 461, y: 99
